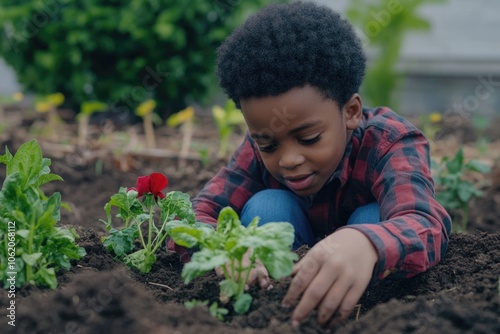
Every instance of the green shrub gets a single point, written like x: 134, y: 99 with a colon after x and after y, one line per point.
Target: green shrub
x: 118, y: 51
x: 384, y: 25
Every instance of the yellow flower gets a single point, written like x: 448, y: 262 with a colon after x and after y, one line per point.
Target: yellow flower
x: 43, y: 106
x: 435, y: 117
x: 18, y: 97
x: 181, y: 117
x: 90, y: 107
x: 145, y: 108
x: 55, y: 99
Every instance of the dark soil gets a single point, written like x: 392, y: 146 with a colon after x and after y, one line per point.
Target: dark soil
x: 100, y: 295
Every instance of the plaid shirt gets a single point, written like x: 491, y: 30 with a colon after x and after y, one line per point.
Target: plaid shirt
x: 387, y: 160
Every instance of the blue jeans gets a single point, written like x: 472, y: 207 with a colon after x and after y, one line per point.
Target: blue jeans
x: 275, y: 205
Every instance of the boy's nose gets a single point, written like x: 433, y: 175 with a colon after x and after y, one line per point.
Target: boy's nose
x: 291, y: 160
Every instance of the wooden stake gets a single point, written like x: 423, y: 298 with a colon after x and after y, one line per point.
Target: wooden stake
x: 83, y: 129
x: 187, y: 135
x: 149, y: 131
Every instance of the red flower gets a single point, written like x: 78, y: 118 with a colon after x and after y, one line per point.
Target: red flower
x: 152, y: 184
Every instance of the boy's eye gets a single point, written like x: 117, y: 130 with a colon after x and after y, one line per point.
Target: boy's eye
x: 310, y: 141
x: 267, y: 148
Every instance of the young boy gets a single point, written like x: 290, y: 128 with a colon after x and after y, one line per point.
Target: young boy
x: 355, y: 182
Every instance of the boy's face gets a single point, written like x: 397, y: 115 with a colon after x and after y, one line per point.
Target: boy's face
x: 301, y: 135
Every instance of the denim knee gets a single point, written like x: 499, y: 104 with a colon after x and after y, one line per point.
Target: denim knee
x: 276, y: 205
x: 366, y: 214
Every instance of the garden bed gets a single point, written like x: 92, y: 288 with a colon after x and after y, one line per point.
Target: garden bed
x: 100, y: 295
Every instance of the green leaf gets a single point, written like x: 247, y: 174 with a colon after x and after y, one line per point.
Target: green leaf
x: 27, y: 161
x: 141, y: 260
x: 281, y: 234
x: 185, y: 235
x: 177, y: 204
x: 121, y: 241
x: 227, y: 221
x: 477, y: 166
x: 46, y: 178
x: 455, y: 165
x: 203, y: 261
x: 47, y: 276
x: 279, y: 263
x: 228, y: 288
x: 242, y: 303
x: 7, y: 157
x: 23, y: 234
x: 31, y: 259
x: 465, y: 191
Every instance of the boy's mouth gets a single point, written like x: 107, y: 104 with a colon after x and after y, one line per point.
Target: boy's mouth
x: 299, y: 182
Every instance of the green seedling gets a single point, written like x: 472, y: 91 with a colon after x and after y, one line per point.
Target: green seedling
x: 214, y: 309
x: 236, y: 249
x: 226, y: 120
x: 453, y: 191
x: 87, y: 109
x: 7, y: 100
x: 31, y: 245
x: 143, y: 205
x: 480, y: 124
x: 184, y: 118
x: 429, y: 124
x: 145, y: 110
x: 48, y: 105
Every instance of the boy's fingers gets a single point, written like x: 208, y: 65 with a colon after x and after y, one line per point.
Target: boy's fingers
x: 331, y: 305
x: 259, y: 275
x: 303, y: 277
x: 317, y: 290
x: 219, y: 271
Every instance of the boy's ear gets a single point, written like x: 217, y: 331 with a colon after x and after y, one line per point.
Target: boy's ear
x: 352, y: 111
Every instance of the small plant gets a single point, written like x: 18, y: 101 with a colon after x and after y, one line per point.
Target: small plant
x: 226, y: 119
x: 7, y: 100
x: 429, y: 124
x: 145, y: 110
x: 136, y: 206
x: 453, y: 191
x: 214, y: 309
x: 480, y: 123
x: 87, y: 109
x: 184, y: 118
x: 31, y: 245
x: 48, y: 105
x: 226, y: 247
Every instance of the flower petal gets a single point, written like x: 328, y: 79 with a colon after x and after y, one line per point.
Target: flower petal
x: 157, y: 182
x: 142, y: 185
x: 160, y: 195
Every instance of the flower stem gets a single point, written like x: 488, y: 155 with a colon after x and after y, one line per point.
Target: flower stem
x: 150, y: 228
x: 140, y: 236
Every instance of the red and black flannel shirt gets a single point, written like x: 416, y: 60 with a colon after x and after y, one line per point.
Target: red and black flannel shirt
x: 387, y: 160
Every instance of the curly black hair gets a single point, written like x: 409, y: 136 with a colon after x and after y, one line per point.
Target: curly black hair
x: 284, y: 46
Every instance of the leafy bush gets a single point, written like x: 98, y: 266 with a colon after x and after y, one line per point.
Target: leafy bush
x: 32, y: 248
x: 384, y: 25
x: 453, y: 191
x: 118, y: 51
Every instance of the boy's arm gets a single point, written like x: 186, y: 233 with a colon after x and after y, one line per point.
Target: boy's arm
x: 414, y: 231
x: 232, y: 186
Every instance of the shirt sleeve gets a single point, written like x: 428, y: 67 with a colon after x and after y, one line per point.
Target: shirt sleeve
x: 414, y: 231
x: 232, y: 186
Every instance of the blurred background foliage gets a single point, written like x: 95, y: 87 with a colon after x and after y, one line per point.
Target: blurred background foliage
x: 122, y: 52
x: 384, y: 25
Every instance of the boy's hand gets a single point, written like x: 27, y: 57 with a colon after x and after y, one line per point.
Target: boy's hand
x: 332, y: 277
x: 258, y: 274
